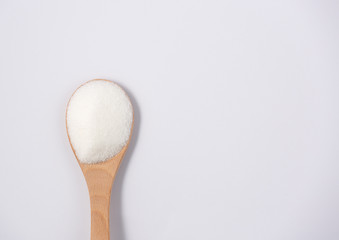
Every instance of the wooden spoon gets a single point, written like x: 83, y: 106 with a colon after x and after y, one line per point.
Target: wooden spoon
x: 100, y: 178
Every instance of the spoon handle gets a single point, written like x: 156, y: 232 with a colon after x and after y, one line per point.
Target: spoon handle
x: 99, y: 178
x: 100, y: 217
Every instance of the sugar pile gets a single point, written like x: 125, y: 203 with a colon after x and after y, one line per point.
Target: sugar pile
x: 99, y: 120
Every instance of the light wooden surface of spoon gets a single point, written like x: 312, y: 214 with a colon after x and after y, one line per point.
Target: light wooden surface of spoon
x: 100, y: 178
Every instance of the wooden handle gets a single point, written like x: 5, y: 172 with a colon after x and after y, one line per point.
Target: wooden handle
x: 100, y: 178
x: 99, y: 188
x: 99, y: 218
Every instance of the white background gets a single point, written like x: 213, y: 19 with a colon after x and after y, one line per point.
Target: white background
x: 236, y: 129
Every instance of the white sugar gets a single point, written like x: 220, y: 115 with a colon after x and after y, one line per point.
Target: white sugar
x: 99, y: 121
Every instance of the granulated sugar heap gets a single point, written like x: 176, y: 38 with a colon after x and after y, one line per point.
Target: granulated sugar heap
x: 99, y: 120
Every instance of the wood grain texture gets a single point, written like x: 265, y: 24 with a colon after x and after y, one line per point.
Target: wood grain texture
x: 100, y: 178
